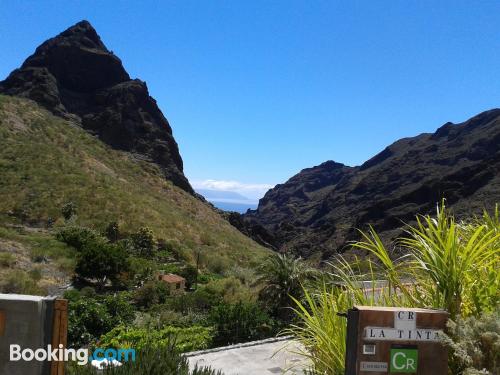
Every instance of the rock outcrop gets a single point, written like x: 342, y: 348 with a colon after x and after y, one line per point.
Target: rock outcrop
x: 319, y: 209
x: 75, y: 76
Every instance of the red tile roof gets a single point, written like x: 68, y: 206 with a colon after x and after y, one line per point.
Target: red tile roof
x: 171, y: 278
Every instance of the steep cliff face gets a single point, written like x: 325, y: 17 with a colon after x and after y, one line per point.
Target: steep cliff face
x: 319, y: 209
x: 76, y: 77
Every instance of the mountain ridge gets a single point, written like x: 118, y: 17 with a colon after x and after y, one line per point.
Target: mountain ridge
x: 319, y: 209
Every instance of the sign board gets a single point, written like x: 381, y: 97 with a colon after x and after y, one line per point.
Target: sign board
x: 405, y: 329
x: 373, y: 366
x: 384, y: 340
x: 404, y: 359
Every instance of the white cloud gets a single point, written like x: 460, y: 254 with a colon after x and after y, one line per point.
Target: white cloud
x: 253, y: 191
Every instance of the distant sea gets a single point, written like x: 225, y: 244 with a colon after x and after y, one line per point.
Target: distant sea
x: 228, y: 200
x: 238, y: 207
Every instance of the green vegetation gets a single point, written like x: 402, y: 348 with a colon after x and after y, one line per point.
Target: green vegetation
x: 187, y: 339
x: 446, y: 266
x: 91, y: 316
x: 151, y: 360
x: 240, y: 322
x: 48, y: 164
x: 32, y: 261
x: 283, y: 278
x: 73, y: 209
x: 474, y: 344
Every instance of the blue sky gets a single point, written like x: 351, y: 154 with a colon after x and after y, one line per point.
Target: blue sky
x: 257, y: 90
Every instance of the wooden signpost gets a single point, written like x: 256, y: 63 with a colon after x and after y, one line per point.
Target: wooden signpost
x: 386, y: 340
x: 2, y: 322
x: 59, y: 333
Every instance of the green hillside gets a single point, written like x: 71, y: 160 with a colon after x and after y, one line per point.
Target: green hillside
x: 46, y: 162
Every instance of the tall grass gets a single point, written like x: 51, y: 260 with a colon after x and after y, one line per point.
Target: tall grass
x: 447, y: 265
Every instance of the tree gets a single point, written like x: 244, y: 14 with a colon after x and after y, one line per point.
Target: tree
x: 101, y: 261
x: 144, y: 242
x: 282, y: 276
x: 68, y: 210
x: 88, y: 320
x: 190, y: 273
x: 112, y: 231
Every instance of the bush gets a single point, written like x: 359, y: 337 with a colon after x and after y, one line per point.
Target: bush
x: 144, y: 242
x: 7, y: 260
x: 445, y: 262
x: 101, y: 261
x: 240, y: 322
x: 20, y: 282
x: 474, y: 344
x: 230, y: 289
x: 140, y: 271
x: 186, y: 339
x: 35, y: 274
x: 190, y: 273
x: 120, y: 308
x: 78, y: 237
x: 89, y: 318
x: 151, y: 293
x: 150, y: 360
x: 200, y: 300
x: 112, y: 231
x: 68, y: 210
x: 87, y: 321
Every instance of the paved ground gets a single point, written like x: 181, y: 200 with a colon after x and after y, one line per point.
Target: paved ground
x: 258, y: 358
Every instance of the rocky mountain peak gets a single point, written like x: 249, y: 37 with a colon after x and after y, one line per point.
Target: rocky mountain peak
x: 75, y: 76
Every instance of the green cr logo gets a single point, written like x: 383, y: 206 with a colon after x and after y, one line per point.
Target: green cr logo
x: 404, y: 360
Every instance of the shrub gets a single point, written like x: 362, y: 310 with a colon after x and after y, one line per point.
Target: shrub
x: 20, y: 282
x: 240, y: 322
x: 78, y: 237
x: 447, y: 257
x: 88, y: 292
x: 140, y: 270
x: 87, y: 321
x: 218, y: 264
x: 120, y: 308
x: 112, y: 231
x: 7, y: 260
x: 190, y: 273
x: 474, y: 344
x: 186, y: 339
x: 68, y: 210
x: 144, y: 242
x: 151, y: 293
x: 200, y: 300
x: 445, y: 262
x: 230, y: 289
x: 321, y: 331
x: 101, y: 261
x: 35, y: 274
x: 150, y: 360
x: 91, y: 317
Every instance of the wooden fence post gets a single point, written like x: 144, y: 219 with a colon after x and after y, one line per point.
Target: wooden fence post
x: 59, y: 333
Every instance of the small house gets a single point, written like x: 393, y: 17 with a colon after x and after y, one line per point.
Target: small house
x: 175, y: 283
